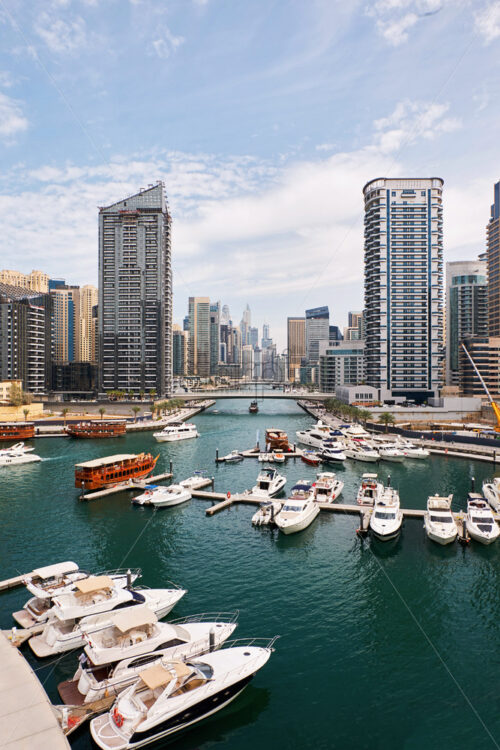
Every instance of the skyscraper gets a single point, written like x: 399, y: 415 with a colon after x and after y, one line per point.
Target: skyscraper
x: 246, y: 322
x: 404, y: 286
x: 65, y: 323
x: 85, y: 351
x: 317, y: 329
x: 296, y: 344
x: 214, y: 337
x: 493, y: 258
x: 180, y: 345
x: 466, y: 310
x: 199, y: 336
x: 135, y: 293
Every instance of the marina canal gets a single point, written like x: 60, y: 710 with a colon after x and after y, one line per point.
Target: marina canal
x: 384, y: 645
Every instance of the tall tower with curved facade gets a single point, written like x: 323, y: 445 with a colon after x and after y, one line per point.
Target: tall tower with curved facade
x: 404, y: 286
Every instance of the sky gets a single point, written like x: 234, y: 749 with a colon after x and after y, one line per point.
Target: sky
x: 263, y: 118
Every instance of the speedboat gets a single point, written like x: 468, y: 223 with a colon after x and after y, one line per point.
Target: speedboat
x: 491, y: 491
x: 254, y: 407
x: 361, y: 451
x: 439, y: 523
x: 299, y: 511
x: 279, y: 458
x: 176, y: 431
x: 182, y: 639
x: 163, y: 497
x: 267, y: 513
x: 311, y: 458
x: 266, y: 458
x: 370, y: 490
x: 269, y: 483
x: 172, y: 696
x: 17, y: 454
x: 327, y: 487
x: 65, y: 635
x: 479, y: 519
x: 387, y: 518
x: 233, y: 458
x: 198, y: 479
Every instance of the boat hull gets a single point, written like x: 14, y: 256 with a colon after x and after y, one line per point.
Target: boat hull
x: 173, y: 438
x: 479, y: 537
x: 300, y: 525
x: 491, y: 497
x: 442, y: 540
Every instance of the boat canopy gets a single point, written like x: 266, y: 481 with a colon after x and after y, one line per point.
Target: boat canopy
x: 94, y: 583
x: 59, y: 569
x: 134, y: 617
x: 158, y: 676
x: 96, y: 462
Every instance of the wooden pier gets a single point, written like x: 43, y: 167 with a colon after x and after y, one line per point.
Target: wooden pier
x: 132, y: 484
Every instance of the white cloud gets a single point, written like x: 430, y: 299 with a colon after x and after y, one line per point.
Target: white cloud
x: 395, y: 18
x: 412, y: 120
x: 325, y: 146
x: 167, y: 43
x: 60, y: 36
x: 396, y: 32
x: 12, y: 118
x: 487, y: 21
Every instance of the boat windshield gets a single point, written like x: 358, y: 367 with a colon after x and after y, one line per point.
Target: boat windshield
x: 384, y: 515
x: 293, y: 508
x: 441, y: 519
x: 481, y: 519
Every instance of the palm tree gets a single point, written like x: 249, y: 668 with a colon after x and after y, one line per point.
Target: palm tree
x: 136, y: 409
x: 64, y: 412
x: 26, y: 412
x: 386, y: 418
x: 365, y: 415
x: 152, y: 393
x: 141, y: 395
x: 102, y: 411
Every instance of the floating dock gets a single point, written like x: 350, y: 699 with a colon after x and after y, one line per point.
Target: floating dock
x: 130, y: 485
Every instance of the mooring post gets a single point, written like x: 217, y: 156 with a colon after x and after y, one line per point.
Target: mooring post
x: 216, y: 454
x: 388, y: 480
x: 472, y: 483
x: 213, y: 484
x: 171, y: 467
x: 82, y: 496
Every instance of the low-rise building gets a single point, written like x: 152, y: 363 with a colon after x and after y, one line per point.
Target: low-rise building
x: 339, y: 365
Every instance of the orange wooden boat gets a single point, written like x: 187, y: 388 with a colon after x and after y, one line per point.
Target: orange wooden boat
x: 277, y: 440
x: 112, y: 470
x: 96, y: 429
x: 17, y: 430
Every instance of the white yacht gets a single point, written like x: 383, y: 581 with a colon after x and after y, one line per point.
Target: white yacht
x: 332, y: 451
x: 389, y: 452
x: 359, y: 450
x: 439, y: 523
x: 491, y: 491
x: 59, y: 636
x: 480, y: 522
x: 266, y: 515
x: 182, y: 639
x: 327, y: 487
x: 370, y: 490
x: 269, y: 483
x: 411, y: 450
x: 163, y: 497
x: 387, y: 518
x: 176, y: 431
x: 314, y: 436
x: 17, y: 454
x: 354, y: 431
x: 297, y: 513
x: 233, y: 458
x: 170, y: 697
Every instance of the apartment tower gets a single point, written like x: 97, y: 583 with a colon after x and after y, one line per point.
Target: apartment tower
x: 296, y: 343
x: 404, y: 286
x: 199, y: 336
x: 135, y: 293
x: 493, y: 260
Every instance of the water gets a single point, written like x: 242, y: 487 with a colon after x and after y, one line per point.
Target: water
x: 384, y: 645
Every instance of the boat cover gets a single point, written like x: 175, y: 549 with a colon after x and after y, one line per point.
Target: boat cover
x: 156, y: 676
x: 96, y: 462
x: 59, y: 569
x: 94, y: 583
x: 133, y: 617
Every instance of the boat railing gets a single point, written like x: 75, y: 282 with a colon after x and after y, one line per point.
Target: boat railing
x: 225, y: 617
x: 119, y: 572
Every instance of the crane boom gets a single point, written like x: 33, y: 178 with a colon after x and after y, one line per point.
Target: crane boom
x: 494, y: 405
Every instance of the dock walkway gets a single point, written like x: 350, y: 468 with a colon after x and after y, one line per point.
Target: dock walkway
x: 27, y: 719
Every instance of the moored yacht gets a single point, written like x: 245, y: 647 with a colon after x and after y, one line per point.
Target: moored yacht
x: 480, y: 522
x: 359, y: 450
x: 163, y: 497
x: 411, y: 450
x: 269, y: 483
x: 332, y: 451
x: 61, y: 577
x: 170, y: 697
x: 387, y: 518
x: 491, y: 491
x: 370, y: 490
x: 327, y: 487
x: 439, y: 523
x: 176, y: 431
x: 297, y: 513
x: 390, y: 452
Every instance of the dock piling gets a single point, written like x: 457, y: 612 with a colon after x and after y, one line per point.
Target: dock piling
x: 170, y: 467
x: 388, y: 480
x: 472, y: 483
x: 216, y: 455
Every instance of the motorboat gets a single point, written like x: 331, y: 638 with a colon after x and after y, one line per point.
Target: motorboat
x: 59, y: 636
x: 370, y: 490
x: 311, y: 458
x: 266, y: 458
x: 233, y: 458
x: 411, y: 450
x: 269, y: 483
x: 198, y: 479
x: 327, y: 488
x: 163, y: 497
x: 479, y: 519
x: 386, y: 519
x: 359, y: 450
x: 332, y: 451
x: 169, y: 697
x: 18, y: 454
x: 313, y: 437
x: 279, y: 458
x: 389, y: 452
x: 297, y: 514
x: 302, y: 488
x: 266, y: 514
x: 177, y: 431
x: 354, y: 431
x: 491, y: 491
x: 254, y: 407
x: 46, y: 582
x: 439, y: 523
x: 182, y: 639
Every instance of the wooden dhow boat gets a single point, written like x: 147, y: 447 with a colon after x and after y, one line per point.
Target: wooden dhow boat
x: 96, y: 429
x: 17, y: 430
x: 112, y: 470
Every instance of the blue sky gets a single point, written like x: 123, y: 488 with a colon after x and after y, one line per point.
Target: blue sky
x: 264, y: 119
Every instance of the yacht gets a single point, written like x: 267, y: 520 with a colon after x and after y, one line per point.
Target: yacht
x: 267, y: 513
x: 314, y: 436
x: 269, y: 483
x: 199, y: 479
x: 387, y: 518
x: 354, y: 431
x: 182, y: 639
x: 389, y: 451
x: 439, y: 523
x: 359, y: 450
x: 163, y: 497
x: 172, y: 696
x: 491, y: 491
x: 65, y: 635
x: 370, y: 490
x: 297, y: 513
x: 332, y: 451
x: 17, y: 454
x: 480, y: 522
x: 327, y: 487
x: 176, y: 431
x: 411, y: 450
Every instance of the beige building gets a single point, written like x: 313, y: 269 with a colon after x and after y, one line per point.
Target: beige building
x: 86, y: 346
x: 5, y: 389
x: 37, y: 281
x: 296, y: 338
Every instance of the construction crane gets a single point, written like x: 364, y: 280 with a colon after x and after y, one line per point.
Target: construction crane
x: 493, y: 404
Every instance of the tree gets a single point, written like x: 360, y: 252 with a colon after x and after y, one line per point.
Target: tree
x: 152, y: 393
x: 17, y: 396
x: 386, y: 418
x: 64, y: 412
x: 141, y: 395
x: 365, y: 415
x: 131, y: 395
x: 26, y: 412
x: 136, y: 409
x: 102, y: 411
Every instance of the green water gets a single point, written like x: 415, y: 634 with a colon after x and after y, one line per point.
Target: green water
x: 384, y: 645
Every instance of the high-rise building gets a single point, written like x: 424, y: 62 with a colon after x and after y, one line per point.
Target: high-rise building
x: 404, y: 286
x: 296, y: 344
x: 493, y: 257
x: 317, y: 329
x: 65, y: 323
x: 466, y: 309
x: 253, y: 336
x: 85, y: 350
x: 335, y: 334
x: 246, y: 322
x: 225, y: 316
x: 266, y: 340
x: 180, y: 346
x: 135, y: 293
x: 214, y: 337
x: 199, y: 336
x: 36, y: 281
x: 247, y: 361
x: 485, y: 352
